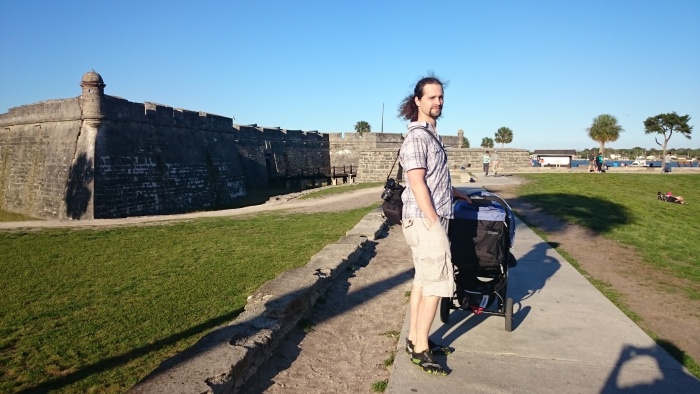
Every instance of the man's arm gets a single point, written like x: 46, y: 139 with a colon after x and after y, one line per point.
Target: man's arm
x: 456, y: 193
x: 416, y: 178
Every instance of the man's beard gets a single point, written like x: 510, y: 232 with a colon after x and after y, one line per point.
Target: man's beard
x: 435, y: 112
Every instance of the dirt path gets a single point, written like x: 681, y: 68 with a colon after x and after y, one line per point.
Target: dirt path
x: 354, y: 329
x: 344, y: 201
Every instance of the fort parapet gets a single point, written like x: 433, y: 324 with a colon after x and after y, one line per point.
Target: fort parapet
x: 101, y: 156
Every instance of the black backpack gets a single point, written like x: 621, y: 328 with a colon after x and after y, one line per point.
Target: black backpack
x: 393, y: 205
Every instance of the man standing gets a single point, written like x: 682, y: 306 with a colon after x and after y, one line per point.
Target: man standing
x: 427, y: 209
x: 591, y: 161
x: 486, y: 161
x: 496, y: 162
x: 667, y: 163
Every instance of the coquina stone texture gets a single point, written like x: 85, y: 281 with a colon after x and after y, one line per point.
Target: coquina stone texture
x: 101, y: 156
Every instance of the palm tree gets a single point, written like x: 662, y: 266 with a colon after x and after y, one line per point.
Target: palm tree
x: 504, y: 135
x: 486, y: 142
x: 663, y: 123
x: 604, y: 129
x: 363, y: 127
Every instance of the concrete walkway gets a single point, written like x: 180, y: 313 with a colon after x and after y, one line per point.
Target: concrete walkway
x: 567, y: 338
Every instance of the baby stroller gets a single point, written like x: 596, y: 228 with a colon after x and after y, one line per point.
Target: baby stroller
x: 481, y: 235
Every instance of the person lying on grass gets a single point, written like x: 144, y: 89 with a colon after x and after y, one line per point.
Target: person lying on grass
x: 668, y: 197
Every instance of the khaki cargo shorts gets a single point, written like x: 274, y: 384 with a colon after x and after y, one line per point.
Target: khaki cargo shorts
x: 431, y: 256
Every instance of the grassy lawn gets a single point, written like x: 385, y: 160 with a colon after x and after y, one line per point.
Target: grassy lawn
x: 624, y: 207
x: 96, y: 310
x: 339, y: 189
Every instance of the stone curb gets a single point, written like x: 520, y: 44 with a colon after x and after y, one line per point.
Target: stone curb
x: 222, y: 360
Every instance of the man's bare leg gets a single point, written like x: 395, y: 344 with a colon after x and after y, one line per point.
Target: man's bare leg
x: 416, y: 295
x: 424, y: 320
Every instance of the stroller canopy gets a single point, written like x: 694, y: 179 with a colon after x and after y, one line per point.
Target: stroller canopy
x: 487, y: 206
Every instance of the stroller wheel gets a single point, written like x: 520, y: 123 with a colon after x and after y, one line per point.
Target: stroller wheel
x: 509, y: 314
x: 445, y: 309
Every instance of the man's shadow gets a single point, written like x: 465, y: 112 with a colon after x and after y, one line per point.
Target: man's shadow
x: 672, y: 379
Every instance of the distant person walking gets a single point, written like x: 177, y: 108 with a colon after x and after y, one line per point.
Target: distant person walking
x: 495, y: 162
x: 599, y: 162
x: 486, y: 161
x: 426, y: 213
x: 591, y: 162
x: 667, y: 163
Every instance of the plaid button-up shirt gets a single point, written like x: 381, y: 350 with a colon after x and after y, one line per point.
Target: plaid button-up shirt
x: 420, y: 150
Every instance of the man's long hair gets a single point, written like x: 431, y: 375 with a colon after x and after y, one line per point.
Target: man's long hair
x: 408, y: 109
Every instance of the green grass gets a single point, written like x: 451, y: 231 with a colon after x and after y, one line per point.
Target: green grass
x: 380, y: 386
x: 624, y: 207
x: 96, y: 310
x: 339, y: 189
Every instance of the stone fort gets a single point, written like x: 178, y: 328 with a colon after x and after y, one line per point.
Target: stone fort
x: 100, y: 156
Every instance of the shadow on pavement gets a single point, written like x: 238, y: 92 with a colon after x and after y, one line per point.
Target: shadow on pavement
x: 671, y: 379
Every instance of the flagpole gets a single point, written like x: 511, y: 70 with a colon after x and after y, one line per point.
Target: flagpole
x: 382, y: 117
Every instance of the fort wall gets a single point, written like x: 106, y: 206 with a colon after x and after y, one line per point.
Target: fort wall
x: 346, y: 149
x: 99, y: 156
x: 375, y: 164
x: 268, y: 153
x: 153, y: 159
x: 37, y: 146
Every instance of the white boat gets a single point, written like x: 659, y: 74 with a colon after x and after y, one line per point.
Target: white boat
x: 639, y: 163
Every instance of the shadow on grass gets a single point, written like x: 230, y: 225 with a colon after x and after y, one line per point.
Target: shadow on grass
x: 592, y: 213
x: 679, y: 355
x: 116, y: 361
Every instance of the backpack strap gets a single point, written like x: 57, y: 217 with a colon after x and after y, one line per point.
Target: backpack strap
x: 432, y: 135
x: 434, y: 138
x: 399, y: 174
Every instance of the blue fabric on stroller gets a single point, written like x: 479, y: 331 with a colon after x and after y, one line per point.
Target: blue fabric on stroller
x: 497, y: 210
x: 481, y: 235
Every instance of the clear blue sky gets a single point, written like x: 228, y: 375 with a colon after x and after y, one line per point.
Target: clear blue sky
x: 544, y: 69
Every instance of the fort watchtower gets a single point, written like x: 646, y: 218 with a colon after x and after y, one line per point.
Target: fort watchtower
x: 92, y: 97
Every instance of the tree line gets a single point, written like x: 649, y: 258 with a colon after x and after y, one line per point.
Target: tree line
x: 604, y: 129
x: 503, y: 135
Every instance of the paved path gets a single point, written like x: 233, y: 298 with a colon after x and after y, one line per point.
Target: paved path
x: 567, y: 338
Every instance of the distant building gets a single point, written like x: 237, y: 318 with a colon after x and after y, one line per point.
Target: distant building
x: 556, y: 157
